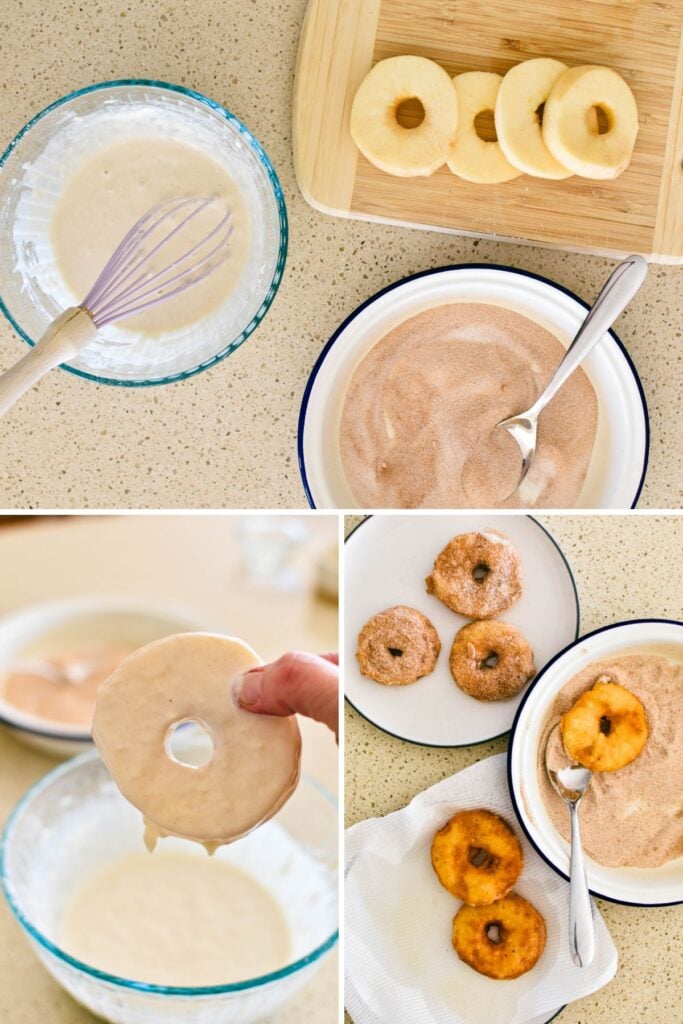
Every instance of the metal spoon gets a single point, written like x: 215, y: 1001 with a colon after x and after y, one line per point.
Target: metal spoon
x: 570, y: 782
x: 616, y: 293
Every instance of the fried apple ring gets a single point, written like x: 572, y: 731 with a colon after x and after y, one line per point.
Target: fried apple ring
x: 606, y: 728
x: 398, y: 646
x: 491, y: 660
x: 478, y: 575
x: 477, y: 857
x: 503, y: 940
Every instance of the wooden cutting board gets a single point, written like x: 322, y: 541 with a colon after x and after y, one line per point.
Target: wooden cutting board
x: 641, y: 211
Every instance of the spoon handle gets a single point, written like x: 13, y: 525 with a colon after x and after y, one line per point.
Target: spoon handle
x: 581, y: 932
x: 614, y: 297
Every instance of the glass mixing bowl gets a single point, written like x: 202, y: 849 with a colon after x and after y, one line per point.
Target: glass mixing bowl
x: 75, y: 822
x: 33, y: 171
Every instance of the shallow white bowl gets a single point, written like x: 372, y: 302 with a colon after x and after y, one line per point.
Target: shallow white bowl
x: 387, y: 558
x: 619, y: 461
x: 634, y: 886
x: 107, y: 620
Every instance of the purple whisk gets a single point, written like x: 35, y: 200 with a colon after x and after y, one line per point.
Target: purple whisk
x: 160, y: 258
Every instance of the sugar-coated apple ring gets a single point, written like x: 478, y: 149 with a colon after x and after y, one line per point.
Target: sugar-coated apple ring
x: 606, y: 728
x: 491, y: 660
x: 524, y: 89
x: 477, y: 857
x: 397, y: 646
x: 477, y: 574
x: 503, y: 940
x: 570, y: 127
x: 472, y: 157
x: 385, y: 142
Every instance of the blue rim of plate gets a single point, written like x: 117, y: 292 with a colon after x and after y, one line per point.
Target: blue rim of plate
x: 440, y: 270
x: 513, y: 730
x: 278, y: 195
x: 487, y: 739
x: 113, y: 979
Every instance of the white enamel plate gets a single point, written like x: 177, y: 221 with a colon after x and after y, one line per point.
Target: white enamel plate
x: 634, y: 886
x: 617, y: 467
x: 387, y: 559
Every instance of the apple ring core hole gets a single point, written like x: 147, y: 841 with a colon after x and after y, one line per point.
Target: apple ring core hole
x: 410, y: 112
x: 192, y: 748
x: 485, y: 126
x: 603, y: 118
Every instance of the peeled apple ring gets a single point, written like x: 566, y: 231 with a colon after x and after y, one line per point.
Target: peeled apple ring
x: 570, y: 128
x: 472, y: 157
x: 385, y: 142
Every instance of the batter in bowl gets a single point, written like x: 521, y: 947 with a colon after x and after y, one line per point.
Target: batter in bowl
x: 176, y: 919
x: 419, y: 416
x: 110, y: 191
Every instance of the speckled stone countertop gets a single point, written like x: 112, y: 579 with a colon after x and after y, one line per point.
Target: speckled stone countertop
x: 226, y: 438
x: 154, y: 559
x: 625, y: 567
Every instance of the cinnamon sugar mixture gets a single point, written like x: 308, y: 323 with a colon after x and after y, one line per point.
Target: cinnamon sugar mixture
x: 419, y: 416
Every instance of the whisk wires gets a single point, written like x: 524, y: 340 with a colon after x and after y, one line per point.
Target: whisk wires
x: 144, y: 270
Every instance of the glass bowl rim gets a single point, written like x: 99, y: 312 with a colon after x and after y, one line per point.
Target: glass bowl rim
x: 113, y: 979
x: 278, y: 195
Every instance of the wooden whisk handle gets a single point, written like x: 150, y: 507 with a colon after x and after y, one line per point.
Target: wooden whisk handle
x: 65, y: 338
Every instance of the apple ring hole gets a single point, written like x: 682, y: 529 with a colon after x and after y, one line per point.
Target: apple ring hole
x: 189, y: 742
x: 410, y: 112
x: 485, y: 126
x: 539, y: 111
x: 605, y: 725
x: 481, y: 858
x: 480, y: 572
x: 604, y: 119
x: 491, y: 660
x: 495, y: 932
x: 395, y: 652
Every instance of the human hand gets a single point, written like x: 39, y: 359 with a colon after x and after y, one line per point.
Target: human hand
x: 298, y: 682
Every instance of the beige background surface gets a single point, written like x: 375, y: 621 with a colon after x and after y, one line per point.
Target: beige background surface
x: 156, y: 558
x: 227, y: 437
x: 625, y: 567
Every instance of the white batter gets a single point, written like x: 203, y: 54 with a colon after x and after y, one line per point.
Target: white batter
x: 106, y: 195
x: 176, y: 919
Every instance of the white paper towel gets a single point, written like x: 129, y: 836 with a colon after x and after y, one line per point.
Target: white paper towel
x: 400, y: 965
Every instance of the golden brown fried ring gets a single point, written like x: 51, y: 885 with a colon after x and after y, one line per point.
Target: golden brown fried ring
x: 606, y: 728
x: 477, y: 857
x: 503, y: 940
